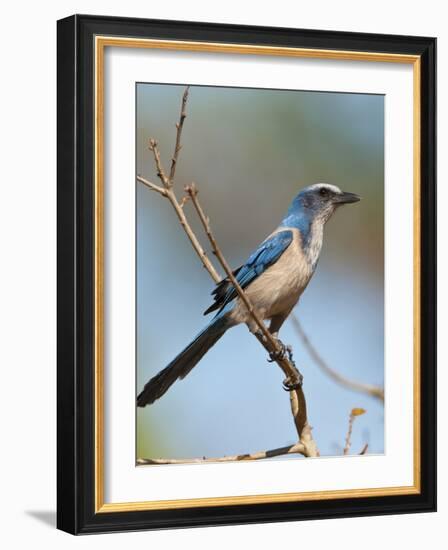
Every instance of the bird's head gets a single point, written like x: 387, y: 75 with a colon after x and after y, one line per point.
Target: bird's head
x: 320, y: 200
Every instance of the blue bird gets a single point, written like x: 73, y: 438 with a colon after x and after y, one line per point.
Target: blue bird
x: 274, y: 277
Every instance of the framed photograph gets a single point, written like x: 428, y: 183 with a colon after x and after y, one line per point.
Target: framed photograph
x: 282, y: 183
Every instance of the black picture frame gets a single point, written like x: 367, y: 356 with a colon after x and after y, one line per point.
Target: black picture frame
x: 76, y: 215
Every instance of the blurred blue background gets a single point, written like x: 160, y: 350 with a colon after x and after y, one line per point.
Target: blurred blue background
x: 250, y: 151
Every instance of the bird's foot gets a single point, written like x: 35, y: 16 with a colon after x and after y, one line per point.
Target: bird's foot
x: 293, y: 382
x: 280, y: 353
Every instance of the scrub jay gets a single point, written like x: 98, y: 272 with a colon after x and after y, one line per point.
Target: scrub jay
x: 273, y: 277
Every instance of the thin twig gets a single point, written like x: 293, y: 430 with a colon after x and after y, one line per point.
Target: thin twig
x: 153, y: 146
x: 351, y: 419
x: 168, y: 192
x: 348, y: 437
x: 370, y: 389
x: 297, y: 448
x: 152, y: 186
x: 191, y: 235
x: 179, y: 126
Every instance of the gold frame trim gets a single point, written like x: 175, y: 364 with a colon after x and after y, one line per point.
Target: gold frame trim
x: 101, y: 42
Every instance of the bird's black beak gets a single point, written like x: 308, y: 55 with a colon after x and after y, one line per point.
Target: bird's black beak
x: 346, y: 198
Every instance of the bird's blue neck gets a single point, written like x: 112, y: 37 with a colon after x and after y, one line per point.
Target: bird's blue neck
x: 300, y: 219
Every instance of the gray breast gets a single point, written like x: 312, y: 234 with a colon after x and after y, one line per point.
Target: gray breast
x: 278, y: 289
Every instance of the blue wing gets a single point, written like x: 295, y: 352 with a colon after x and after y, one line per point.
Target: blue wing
x: 266, y: 255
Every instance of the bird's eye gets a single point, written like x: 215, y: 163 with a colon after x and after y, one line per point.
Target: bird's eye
x: 323, y: 192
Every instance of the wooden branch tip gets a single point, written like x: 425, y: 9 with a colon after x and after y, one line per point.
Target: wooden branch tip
x: 179, y: 127
x: 191, y: 189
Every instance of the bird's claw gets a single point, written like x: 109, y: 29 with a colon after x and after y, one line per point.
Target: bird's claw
x: 279, y: 354
x: 294, y: 381
x: 290, y: 384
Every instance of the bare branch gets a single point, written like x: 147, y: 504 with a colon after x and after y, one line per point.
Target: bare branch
x: 297, y: 448
x: 178, y: 208
x: 348, y: 439
x: 369, y: 389
x: 168, y: 192
x: 152, y: 186
x: 153, y: 146
x: 303, y: 427
x: 179, y: 126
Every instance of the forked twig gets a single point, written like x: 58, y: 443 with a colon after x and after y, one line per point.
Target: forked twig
x: 152, y: 186
x: 179, y: 126
x: 168, y: 192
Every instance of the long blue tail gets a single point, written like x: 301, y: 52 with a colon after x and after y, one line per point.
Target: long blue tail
x: 181, y: 365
